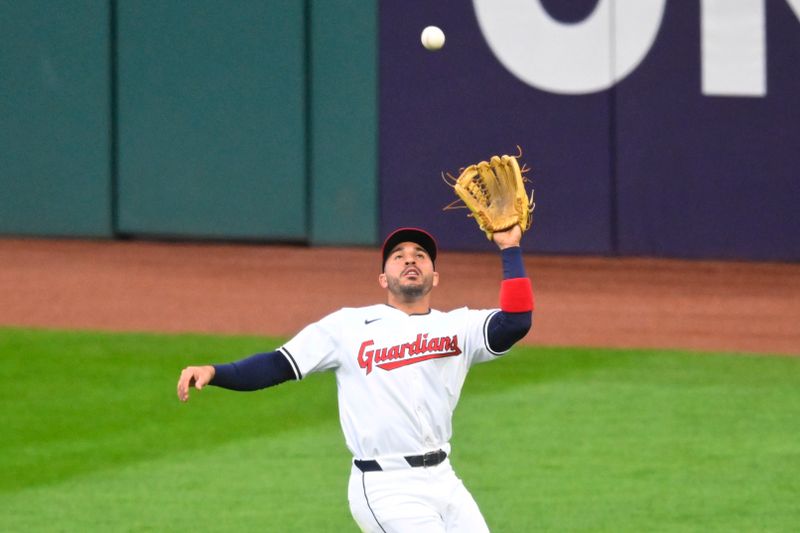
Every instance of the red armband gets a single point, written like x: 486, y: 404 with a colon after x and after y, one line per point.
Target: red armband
x: 516, y: 295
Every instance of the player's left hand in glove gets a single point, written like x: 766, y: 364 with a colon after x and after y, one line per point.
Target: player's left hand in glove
x: 494, y: 192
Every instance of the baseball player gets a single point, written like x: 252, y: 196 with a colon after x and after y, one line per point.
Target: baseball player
x: 399, y: 368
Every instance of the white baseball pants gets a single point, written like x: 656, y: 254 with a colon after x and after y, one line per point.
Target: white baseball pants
x: 413, y: 500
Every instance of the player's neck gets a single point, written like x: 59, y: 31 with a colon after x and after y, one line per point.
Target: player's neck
x: 418, y: 306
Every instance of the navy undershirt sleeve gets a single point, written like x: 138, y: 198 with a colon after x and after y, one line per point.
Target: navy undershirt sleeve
x: 506, y: 328
x: 253, y: 373
x: 513, y: 267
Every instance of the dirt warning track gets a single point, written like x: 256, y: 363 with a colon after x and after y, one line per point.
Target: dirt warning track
x: 276, y: 290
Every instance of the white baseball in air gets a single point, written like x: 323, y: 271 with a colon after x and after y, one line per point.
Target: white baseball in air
x: 432, y: 38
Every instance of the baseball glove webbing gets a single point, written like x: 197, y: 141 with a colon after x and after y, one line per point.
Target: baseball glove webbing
x: 494, y: 192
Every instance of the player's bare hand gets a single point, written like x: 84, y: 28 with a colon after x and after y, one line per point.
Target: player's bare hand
x: 508, y: 238
x: 197, y: 376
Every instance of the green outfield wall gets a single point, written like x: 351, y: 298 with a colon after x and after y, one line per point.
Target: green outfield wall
x: 192, y: 119
x: 55, y: 118
x: 344, y: 122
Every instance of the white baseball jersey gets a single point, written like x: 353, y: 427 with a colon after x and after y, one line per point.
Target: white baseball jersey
x: 399, y: 376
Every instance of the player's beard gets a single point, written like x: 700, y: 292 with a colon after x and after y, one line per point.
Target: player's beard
x: 410, y: 292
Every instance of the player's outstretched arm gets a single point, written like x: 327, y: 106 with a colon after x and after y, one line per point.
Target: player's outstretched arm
x: 256, y: 372
x: 197, y: 376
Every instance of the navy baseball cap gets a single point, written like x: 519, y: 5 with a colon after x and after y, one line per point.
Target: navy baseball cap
x: 415, y: 235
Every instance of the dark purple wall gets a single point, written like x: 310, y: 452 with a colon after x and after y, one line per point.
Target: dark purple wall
x: 649, y: 167
x: 702, y: 176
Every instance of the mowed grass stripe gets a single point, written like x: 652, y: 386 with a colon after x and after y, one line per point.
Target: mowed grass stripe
x: 76, y: 402
x: 651, y: 442
x: 546, y: 439
x: 296, y: 482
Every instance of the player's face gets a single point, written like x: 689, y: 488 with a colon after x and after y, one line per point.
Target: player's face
x: 408, y: 272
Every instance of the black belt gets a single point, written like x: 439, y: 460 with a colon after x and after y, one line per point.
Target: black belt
x: 426, y: 460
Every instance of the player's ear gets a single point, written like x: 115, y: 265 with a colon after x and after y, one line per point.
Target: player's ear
x: 382, y: 281
x: 435, y: 279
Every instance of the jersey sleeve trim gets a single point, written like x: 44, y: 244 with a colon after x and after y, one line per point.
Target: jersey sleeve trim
x: 486, y: 335
x: 295, y: 368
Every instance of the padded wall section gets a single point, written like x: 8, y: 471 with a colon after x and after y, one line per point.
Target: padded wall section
x: 55, y: 119
x: 344, y: 121
x: 710, y: 175
x: 212, y: 140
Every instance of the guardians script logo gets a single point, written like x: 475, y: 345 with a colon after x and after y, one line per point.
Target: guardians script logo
x: 422, y: 349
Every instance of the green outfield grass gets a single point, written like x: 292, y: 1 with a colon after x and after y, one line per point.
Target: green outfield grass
x: 94, y: 439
